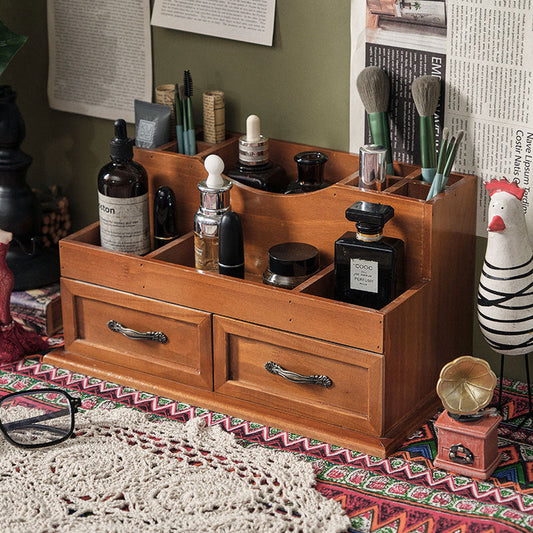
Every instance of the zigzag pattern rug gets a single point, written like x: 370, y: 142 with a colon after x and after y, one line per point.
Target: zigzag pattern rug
x: 403, y: 493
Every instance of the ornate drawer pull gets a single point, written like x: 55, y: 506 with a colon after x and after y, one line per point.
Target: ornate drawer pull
x: 274, y: 368
x: 157, y: 336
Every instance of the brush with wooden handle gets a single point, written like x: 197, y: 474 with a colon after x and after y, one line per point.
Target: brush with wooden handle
x: 426, y: 94
x: 373, y: 85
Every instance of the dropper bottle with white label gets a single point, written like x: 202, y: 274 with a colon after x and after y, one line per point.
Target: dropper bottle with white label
x: 255, y: 168
x: 123, y: 198
x: 214, y: 202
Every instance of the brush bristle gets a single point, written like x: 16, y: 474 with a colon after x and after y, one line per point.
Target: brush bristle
x: 445, y: 134
x: 373, y: 85
x: 182, y: 91
x: 187, y: 82
x: 426, y: 94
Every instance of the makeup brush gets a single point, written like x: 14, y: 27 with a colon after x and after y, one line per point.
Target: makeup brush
x: 426, y: 94
x: 189, y: 131
x: 435, y: 185
x: 451, y: 158
x: 179, y: 120
x: 184, y: 118
x: 373, y: 86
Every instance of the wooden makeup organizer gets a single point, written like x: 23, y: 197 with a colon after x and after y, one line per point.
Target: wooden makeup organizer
x: 221, y: 332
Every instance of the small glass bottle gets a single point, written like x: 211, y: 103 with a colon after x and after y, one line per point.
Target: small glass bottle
x: 255, y: 168
x: 123, y: 198
x: 310, y: 173
x: 367, y: 265
x: 164, y: 216
x: 214, y: 202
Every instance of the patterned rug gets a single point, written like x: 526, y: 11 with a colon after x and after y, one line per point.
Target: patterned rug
x: 403, y: 493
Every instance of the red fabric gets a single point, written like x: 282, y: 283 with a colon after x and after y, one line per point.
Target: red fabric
x: 15, y: 341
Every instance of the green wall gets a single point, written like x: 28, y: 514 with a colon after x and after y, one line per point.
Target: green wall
x: 299, y: 87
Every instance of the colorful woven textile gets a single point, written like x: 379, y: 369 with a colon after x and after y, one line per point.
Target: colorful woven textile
x: 401, y: 493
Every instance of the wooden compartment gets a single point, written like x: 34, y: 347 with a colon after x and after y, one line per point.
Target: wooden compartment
x: 384, y: 363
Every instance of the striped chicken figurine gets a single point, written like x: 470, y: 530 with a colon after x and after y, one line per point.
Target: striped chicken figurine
x: 505, y: 295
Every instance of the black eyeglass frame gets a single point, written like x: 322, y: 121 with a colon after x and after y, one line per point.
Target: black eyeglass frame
x: 75, y: 403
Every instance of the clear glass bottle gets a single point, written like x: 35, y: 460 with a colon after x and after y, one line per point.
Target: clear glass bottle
x: 214, y: 202
x: 123, y: 198
x: 368, y: 265
x: 255, y: 168
x: 310, y: 173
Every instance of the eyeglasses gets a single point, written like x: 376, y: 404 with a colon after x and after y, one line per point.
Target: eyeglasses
x: 38, y: 418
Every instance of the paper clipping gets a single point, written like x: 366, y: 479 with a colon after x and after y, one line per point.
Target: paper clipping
x: 250, y: 21
x: 100, y: 60
x: 482, y: 51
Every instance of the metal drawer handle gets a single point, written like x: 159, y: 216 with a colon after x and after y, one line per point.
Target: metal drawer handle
x: 157, y: 336
x: 274, y: 368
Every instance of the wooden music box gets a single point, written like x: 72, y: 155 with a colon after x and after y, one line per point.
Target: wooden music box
x: 240, y: 347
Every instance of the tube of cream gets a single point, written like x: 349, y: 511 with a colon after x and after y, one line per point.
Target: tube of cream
x: 152, y: 124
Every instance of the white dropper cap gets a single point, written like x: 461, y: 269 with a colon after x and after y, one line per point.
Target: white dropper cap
x: 253, y: 129
x: 214, y: 166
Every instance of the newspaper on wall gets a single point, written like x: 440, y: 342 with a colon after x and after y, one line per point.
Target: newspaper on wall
x: 250, y: 21
x: 482, y: 50
x: 100, y: 60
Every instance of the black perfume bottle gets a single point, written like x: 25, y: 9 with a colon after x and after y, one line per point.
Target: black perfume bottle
x: 255, y: 168
x: 310, y: 173
x: 367, y: 265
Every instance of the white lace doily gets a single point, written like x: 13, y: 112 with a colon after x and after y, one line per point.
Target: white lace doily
x: 125, y: 472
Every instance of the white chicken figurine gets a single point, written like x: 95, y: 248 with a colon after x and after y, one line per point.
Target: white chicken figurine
x: 505, y: 296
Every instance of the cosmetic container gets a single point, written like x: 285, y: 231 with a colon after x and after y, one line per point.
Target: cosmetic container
x: 164, y: 216
x: 372, y: 167
x: 214, y: 202
x: 310, y: 173
x: 367, y: 265
x: 123, y: 198
x: 255, y: 168
x: 152, y: 124
x: 290, y: 263
x: 230, y: 246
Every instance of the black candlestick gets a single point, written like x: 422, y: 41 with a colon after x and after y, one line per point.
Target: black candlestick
x: 20, y: 213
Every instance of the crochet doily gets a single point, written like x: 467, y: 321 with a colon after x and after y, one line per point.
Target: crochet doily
x: 125, y: 471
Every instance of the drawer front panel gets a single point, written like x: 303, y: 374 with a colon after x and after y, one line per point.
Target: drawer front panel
x: 185, y: 357
x: 354, y: 399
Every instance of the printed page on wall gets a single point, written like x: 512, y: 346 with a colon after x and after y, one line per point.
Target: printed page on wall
x: 99, y: 60
x: 481, y: 50
x: 250, y: 21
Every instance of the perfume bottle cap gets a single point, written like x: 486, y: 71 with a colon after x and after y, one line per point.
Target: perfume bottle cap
x: 253, y: 147
x: 369, y: 218
x: 121, y: 146
x: 372, y: 166
x: 230, y: 246
x: 293, y: 259
x: 164, y: 215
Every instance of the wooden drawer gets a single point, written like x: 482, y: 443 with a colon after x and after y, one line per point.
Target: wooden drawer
x: 185, y: 357
x: 354, y: 400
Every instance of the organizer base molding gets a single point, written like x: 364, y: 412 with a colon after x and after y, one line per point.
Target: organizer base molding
x: 293, y: 359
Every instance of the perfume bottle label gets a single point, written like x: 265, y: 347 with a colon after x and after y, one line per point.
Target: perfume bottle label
x: 363, y: 275
x: 124, y: 224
